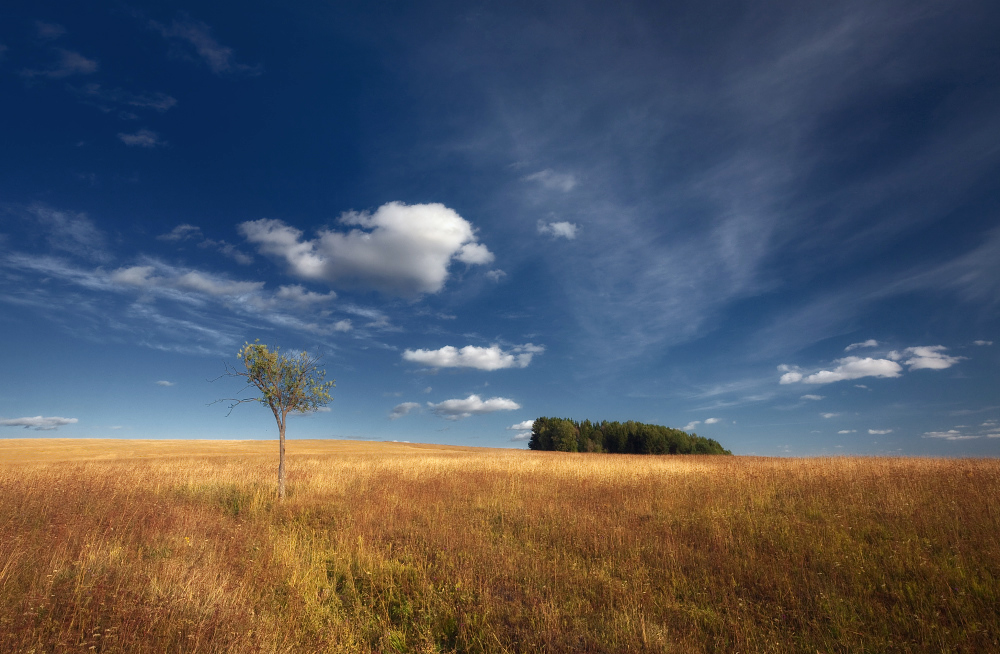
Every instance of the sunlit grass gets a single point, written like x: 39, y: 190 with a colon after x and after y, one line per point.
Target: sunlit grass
x: 146, y: 546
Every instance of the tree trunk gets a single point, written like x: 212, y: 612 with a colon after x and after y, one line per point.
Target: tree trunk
x: 281, y: 459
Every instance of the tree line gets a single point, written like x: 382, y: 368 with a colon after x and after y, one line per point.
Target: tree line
x: 565, y: 435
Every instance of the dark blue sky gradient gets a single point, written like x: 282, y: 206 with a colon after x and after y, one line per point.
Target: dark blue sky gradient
x: 677, y: 199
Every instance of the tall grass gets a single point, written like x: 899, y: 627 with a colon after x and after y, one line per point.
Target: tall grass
x: 182, y: 548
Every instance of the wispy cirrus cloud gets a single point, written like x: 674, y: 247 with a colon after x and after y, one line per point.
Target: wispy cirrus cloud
x: 67, y: 63
x: 39, y: 423
x: 143, y: 138
x: 195, y: 37
x: 550, y: 179
x: 403, y: 409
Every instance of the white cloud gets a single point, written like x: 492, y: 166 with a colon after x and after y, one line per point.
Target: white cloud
x: 711, y: 421
x: 791, y: 375
x: 829, y: 415
x: 848, y: 368
x: 199, y: 36
x: 49, y: 31
x: 470, y: 356
x: 521, y: 436
x: 871, y: 342
x: 861, y: 386
x: 164, y: 383
x: 406, y: 250
x: 950, y: 435
x: 105, y: 99
x: 812, y: 397
x: 691, y: 425
x: 116, y: 427
x: 848, y: 431
x: 930, y: 357
x: 552, y: 180
x: 144, y: 138
x: 343, y: 326
x: 70, y: 231
x: 472, y: 405
x: 983, y: 342
x: 879, y: 432
x: 39, y: 423
x: 496, y: 275
x: 563, y: 229
x: 401, y: 410
x: 475, y: 254
x: 170, y: 278
x: 229, y: 250
x: 181, y: 233
x: 69, y: 63
x: 299, y: 295
x: 521, y: 426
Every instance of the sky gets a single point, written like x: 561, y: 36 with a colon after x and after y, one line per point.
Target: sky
x: 775, y: 224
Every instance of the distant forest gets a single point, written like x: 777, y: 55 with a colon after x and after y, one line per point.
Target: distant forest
x: 564, y: 435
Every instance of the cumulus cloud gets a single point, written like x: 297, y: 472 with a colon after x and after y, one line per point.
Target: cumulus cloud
x: 39, y: 423
x: 930, y: 357
x: 847, y: 368
x: 496, y: 275
x: 563, y: 229
x: 197, y: 35
x: 164, y: 383
x: 829, y: 415
x: 691, y: 425
x: 711, y: 421
x: 550, y: 179
x: 401, y: 410
x: 848, y: 431
x: 470, y: 356
x: 68, y: 63
x: 474, y: 254
x: 521, y: 426
x: 983, y: 342
x: 812, y: 397
x: 143, y: 138
x: 472, y: 405
x: 871, y: 342
x: 879, y: 432
x: 402, y: 250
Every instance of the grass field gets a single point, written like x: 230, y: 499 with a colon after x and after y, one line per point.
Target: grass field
x: 170, y: 546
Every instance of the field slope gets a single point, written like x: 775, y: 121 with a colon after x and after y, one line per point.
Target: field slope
x: 156, y: 546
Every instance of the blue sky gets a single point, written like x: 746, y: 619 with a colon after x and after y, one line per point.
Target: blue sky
x: 773, y: 224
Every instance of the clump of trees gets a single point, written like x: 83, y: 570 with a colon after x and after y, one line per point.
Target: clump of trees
x: 564, y: 435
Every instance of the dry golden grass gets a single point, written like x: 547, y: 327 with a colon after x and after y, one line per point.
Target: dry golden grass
x: 129, y: 546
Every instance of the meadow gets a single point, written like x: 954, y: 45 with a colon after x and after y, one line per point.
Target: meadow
x: 181, y: 546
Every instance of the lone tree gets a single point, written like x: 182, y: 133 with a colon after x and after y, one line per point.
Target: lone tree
x: 286, y: 384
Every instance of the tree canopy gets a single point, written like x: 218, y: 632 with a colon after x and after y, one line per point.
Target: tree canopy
x: 286, y: 384
x: 565, y: 435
